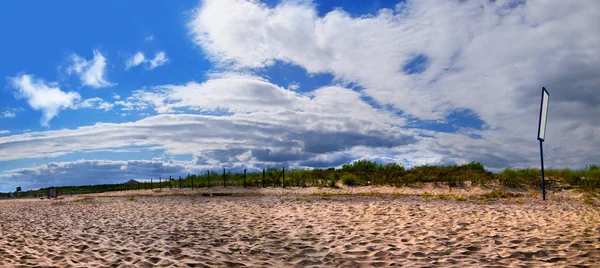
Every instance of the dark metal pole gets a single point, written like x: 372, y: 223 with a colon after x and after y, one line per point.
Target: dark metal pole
x: 224, y: 179
x: 208, y: 178
x: 283, y: 177
x: 244, y: 178
x: 263, y: 180
x: 160, y: 183
x: 543, y: 180
x: 151, y: 185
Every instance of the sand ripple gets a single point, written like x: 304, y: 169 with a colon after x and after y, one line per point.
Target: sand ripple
x: 290, y: 231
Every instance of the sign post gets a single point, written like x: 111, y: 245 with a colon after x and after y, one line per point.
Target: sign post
x: 542, y: 133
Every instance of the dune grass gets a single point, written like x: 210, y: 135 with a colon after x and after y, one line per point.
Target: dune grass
x: 363, y: 173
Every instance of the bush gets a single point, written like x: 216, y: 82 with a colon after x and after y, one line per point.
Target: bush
x: 510, y: 178
x: 474, y: 166
x: 349, y: 179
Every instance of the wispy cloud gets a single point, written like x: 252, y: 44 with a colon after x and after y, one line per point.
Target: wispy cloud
x: 91, y: 72
x: 4, y: 132
x: 159, y: 59
x: 41, y: 96
x: 7, y: 114
x: 94, y: 103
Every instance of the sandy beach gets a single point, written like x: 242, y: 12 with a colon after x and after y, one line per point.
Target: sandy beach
x: 296, y: 227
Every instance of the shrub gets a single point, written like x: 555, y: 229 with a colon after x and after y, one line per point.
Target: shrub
x: 349, y: 179
x: 474, y: 166
x: 510, y: 178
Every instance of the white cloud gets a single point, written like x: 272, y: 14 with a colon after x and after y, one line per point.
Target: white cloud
x: 490, y: 57
x: 94, y: 103
x: 330, y: 119
x: 294, y: 86
x: 7, y: 114
x: 116, y: 96
x: 159, y: 59
x: 4, y: 132
x: 40, y: 96
x: 149, y: 38
x: 259, y: 123
x: 91, y: 72
x: 135, y: 60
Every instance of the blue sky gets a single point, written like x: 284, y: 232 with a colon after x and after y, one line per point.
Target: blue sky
x: 128, y: 90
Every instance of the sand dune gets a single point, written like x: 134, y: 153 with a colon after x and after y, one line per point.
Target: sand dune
x: 282, y: 231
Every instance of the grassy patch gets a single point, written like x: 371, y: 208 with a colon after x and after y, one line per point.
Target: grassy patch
x: 460, y: 198
x: 442, y: 196
x: 496, y: 194
x: 426, y: 195
x: 588, y: 200
x: 371, y: 193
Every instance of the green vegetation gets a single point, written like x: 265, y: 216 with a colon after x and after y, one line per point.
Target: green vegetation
x: 587, y: 179
x: 460, y: 198
x: 349, y: 179
x: 359, y: 173
x: 588, y: 200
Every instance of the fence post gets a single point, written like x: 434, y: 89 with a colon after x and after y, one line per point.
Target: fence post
x: 208, y: 179
x: 224, y: 179
x: 151, y: 185
x: 160, y: 183
x: 170, y: 180
x: 283, y: 178
x: 244, y: 178
x: 263, y: 179
x: 179, y: 182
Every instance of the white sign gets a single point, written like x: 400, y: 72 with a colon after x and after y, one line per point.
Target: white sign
x: 543, y: 115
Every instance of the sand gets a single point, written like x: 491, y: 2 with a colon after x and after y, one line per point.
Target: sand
x: 283, y: 230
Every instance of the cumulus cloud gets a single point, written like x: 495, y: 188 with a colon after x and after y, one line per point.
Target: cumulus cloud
x: 234, y: 124
x: 91, y: 72
x: 41, y: 96
x: 159, y: 59
x: 429, y: 58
